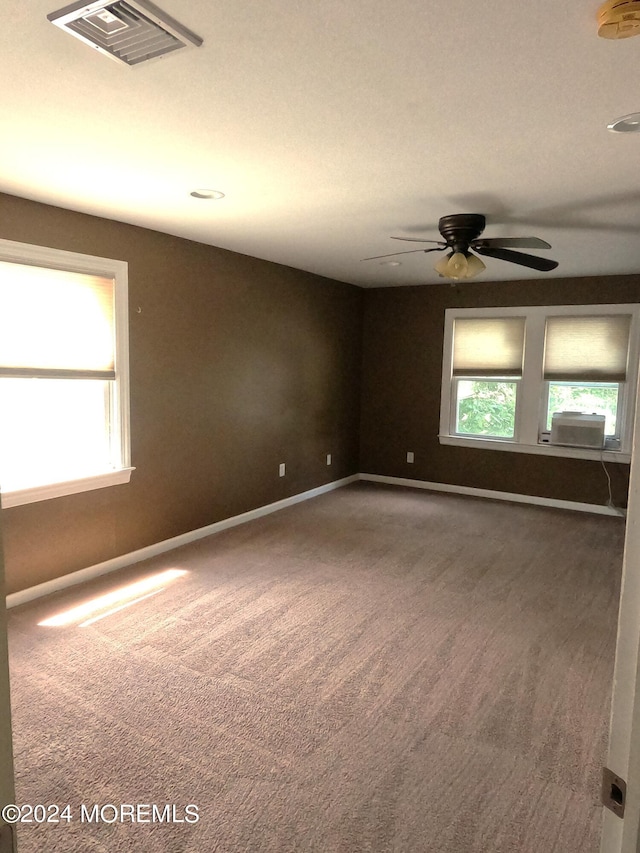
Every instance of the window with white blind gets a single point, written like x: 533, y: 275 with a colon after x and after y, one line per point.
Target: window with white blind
x: 507, y: 371
x: 64, y: 410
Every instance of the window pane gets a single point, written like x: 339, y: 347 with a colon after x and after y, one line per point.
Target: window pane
x: 53, y: 430
x: 485, y: 407
x: 599, y: 398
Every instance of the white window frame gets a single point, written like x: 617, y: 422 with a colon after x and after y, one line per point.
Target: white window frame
x: 25, y: 253
x: 532, y: 393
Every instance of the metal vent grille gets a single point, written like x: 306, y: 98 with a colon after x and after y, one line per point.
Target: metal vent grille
x: 129, y: 31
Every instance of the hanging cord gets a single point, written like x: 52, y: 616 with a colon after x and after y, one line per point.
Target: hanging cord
x: 617, y: 509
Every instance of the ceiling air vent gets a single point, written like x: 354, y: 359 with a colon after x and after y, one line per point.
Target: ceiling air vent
x: 129, y: 31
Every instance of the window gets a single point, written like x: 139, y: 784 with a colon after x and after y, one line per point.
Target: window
x: 63, y: 373
x: 487, y: 367
x: 506, y: 371
x: 486, y: 407
x: 601, y: 398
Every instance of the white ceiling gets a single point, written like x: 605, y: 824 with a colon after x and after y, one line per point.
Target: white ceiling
x: 333, y: 125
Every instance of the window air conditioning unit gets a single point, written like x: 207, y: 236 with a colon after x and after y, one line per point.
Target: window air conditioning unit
x: 577, y: 429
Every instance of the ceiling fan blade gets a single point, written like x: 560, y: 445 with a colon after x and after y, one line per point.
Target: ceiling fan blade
x: 417, y: 240
x: 531, y: 261
x: 511, y: 243
x: 410, y: 252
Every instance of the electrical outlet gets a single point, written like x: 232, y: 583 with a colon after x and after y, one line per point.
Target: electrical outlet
x: 281, y: 469
x: 410, y: 456
x: 328, y: 459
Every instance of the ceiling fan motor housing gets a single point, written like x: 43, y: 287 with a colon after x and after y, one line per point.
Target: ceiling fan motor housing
x: 619, y: 19
x: 460, y: 229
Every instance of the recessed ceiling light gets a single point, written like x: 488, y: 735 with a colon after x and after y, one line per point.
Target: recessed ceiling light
x: 626, y: 124
x: 207, y: 194
x: 391, y: 264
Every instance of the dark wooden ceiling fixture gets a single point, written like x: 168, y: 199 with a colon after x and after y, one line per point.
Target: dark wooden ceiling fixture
x: 462, y: 237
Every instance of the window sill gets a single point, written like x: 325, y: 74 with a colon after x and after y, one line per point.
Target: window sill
x: 536, y: 449
x: 17, y: 497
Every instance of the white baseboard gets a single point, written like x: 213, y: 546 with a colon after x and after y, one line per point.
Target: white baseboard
x: 496, y: 496
x: 55, y: 585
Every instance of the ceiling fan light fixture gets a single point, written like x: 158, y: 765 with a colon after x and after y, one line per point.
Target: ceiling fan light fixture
x: 458, y: 266
x: 442, y: 266
x: 461, y: 233
x: 475, y: 265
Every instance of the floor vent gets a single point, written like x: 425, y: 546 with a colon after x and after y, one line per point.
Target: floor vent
x: 129, y: 31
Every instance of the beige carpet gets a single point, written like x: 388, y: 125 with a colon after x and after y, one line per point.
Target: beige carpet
x: 379, y: 669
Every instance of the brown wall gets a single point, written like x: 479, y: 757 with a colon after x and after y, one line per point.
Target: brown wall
x: 402, y: 375
x: 239, y: 364
x: 236, y: 365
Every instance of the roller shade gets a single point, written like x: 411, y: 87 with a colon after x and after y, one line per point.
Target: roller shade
x: 492, y: 346
x: 55, y: 323
x: 587, y: 348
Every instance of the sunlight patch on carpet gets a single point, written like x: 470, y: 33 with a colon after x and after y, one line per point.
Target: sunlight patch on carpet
x: 111, y: 602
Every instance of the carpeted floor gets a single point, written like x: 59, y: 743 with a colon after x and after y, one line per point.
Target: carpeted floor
x: 378, y: 669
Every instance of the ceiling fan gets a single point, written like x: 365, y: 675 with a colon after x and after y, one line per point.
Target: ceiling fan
x: 461, y: 233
